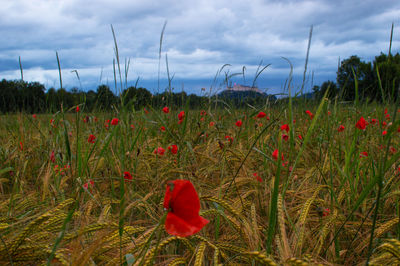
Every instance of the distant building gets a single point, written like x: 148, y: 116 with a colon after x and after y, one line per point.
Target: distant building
x: 238, y: 87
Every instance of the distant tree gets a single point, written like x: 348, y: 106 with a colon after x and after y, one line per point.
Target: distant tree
x: 389, y: 73
x: 105, y: 97
x: 353, y: 69
x: 329, y: 86
x: 136, y: 97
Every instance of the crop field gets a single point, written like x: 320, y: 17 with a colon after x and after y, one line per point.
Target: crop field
x: 287, y: 184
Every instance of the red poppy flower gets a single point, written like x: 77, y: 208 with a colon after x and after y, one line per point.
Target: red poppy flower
x: 132, y: 126
x: 183, y: 205
x: 91, y: 138
x: 202, y: 113
x: 229, y: 138
x: 239, y: 123
x: 173, y: 149
x: 52, y: 157
x: 86, y: 185
x: 159, y: 151
x: 34, y: 116
x: 326, y: 212
x: 261, y: 115
x: 212, y: 124
x: 275, y: 155
x: 21, y: 146
x: 162, y: 128
x: 361, y: 124
x: 341, y: 128
x: 165, y: 110
x: 363, y: 154
x: 259, y: 179
x: 127, y: 176
x: 300, y: 137
x: 310, y: 114
x: 77, y: 109
x: 285, y: 127
x: 374, y: 121
x: 181, y: 115
x: 384, y: 133
x: 285, y: 137
x: 114, y: 121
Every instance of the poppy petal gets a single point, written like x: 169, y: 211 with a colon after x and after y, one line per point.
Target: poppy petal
x: 179, y: 227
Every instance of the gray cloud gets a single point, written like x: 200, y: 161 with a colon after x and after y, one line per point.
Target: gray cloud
x: 200, y: 37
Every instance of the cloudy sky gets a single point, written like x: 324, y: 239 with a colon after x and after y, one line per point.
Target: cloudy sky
x: 200, y: 37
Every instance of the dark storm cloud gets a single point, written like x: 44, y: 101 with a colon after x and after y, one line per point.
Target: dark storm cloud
x: 200, y: 37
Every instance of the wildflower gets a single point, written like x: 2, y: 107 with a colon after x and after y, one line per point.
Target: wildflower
x: 275, y: 155
x: 384, y: 133
x: 203, y: 113
x: 52, y: 157
x: 229, y: 138
x: 311, y: 115
x: 114, y: 121
x: 326, y: 212
x: 212, y: 124
x: 259, y: 179
x: 159, y: 151
x: 285, y: 137
x: 77, y: 109
x: 392, y: 149
x: 181, y: 115
x: 387, y: 116
x: 183, y: 206
x: 285, y: 127
x: 239, y: 123
x: 86, y: 185
x: 173, y: 149
x: 384, y: 124
x: 91, y: 138
x: 21, y: 146
x: 165, y: 110
x: 132, y: 126
x: 162, y: 128
x: 329, y: 112
x: 363, y: 154
x: 341, y: 128
x: 261, y: 115
x: 361, y: 124
x: 300, y: 137
x: 374, y: 121
x: 127, y: 176
x: 34, y: 116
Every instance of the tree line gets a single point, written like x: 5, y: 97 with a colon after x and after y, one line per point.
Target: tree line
x: 367, y: 81
x: 31, y: 97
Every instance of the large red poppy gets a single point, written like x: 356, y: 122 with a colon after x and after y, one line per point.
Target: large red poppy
x: 361, y: 124
x: 183, y: 205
